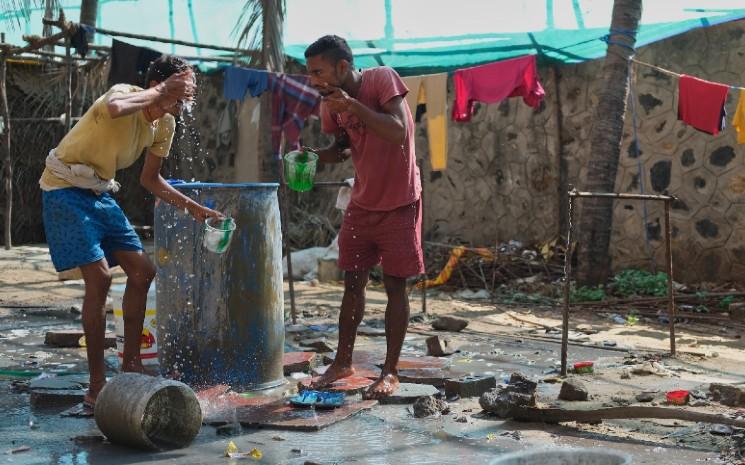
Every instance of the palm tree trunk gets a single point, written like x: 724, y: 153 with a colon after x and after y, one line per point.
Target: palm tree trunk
x: 595, y: 224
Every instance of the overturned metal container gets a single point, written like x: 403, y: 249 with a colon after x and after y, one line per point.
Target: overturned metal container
x: 221, y: 316
x: 145, y: 412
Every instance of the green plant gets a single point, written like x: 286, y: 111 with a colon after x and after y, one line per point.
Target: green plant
x: 633, y: 282
x: 726, y: 301
x: 587, y: 294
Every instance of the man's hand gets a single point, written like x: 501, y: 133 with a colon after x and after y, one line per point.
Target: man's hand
x: 337, y: 100
x: 201, y: 213
x: 179, y: 86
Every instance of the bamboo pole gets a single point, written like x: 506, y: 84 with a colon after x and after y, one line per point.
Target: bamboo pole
x: 7, y: 162
x: 669, y: 264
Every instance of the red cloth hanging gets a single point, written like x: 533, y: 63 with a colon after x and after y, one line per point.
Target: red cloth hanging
x: 495, y: 82
x: 701, y: 103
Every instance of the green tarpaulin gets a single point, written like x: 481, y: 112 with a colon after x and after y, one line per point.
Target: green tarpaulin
x: 409, y: 35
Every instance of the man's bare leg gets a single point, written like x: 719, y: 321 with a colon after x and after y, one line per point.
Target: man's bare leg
x: 350, y: 316
x: 140, y: 273
x: 97, y: 277
x: 396, y: 322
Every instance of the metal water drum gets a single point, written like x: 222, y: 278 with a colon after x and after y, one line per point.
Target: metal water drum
x: 148, y: 413
x: 221, y: 316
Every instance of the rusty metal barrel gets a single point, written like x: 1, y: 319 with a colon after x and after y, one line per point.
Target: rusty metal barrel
x: 148, y: 413
x: 220, y: 316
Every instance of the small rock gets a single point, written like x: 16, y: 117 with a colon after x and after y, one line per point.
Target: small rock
x: 620, y: 400
x: 573, y: 390
x: 654, y: 404
x: 727, y: 394
x: 449, y: 323
x: 428, y: 406
x: 501, y: 400
x: 439, y: 347
x: 610, y: 343
x: 461, y: 419
x: 314, y: 283
x: 278, y: 438
x: 699, y: 403
x: 697, y: 394
x: 625, y: 373
x: 297, y: 451
x: 720, y: 430
x: 645, y: 397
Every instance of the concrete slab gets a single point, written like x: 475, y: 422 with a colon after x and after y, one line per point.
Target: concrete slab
x: 360, y: 371
x: 295, y: 362
x: 349, y: 385
x: 55, y: 398
x: 280, y: 415
x: 408, y: 393
x: 359, y: 357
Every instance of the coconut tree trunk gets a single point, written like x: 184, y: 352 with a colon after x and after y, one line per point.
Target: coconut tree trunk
x: 595, y: 224
x: 88, y: 12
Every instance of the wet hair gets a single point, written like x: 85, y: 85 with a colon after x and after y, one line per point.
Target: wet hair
x: 164, y: 67
x: 333, y: 48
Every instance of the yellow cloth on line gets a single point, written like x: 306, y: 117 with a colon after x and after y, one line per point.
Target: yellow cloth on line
x: 432, y: 90
x: 738, y: 121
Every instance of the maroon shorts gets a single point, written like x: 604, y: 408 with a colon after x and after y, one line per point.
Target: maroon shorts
x: 392, y: 238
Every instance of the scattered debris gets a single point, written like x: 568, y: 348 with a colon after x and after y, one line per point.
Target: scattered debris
x: 439, y: 347
x: 721, y: 430
x: 429, y: 406
x: 573, y: 390
x: 449, y: 323
x: 469, y: 386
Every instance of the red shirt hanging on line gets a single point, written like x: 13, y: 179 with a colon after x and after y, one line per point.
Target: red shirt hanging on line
x: 701, y: 104
x: 495, y: 82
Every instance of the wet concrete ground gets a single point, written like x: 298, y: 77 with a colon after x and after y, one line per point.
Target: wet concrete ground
x: 384, y: 435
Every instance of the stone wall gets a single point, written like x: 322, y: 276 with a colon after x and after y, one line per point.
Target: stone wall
x: 502, y: 180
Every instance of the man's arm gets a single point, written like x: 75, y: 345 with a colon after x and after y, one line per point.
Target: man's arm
x: 177, y: 87
x: 336, y: 152
x: 390, y: 124
x: 151, y: 180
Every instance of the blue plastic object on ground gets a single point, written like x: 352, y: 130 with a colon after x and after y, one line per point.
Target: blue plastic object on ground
x: 318, y: 399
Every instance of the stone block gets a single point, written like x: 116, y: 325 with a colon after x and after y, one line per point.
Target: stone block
x: 573, y: 390
x: 71, y: 338
x: 449, y: 323
x: 328, y: 271
x: 727, y: 395
x: 55, y: 398
x: 409, y: 393
x: 469, y: 386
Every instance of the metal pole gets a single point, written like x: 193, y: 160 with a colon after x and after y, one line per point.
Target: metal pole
x: 669, y: 263
x: 424, y: 275
x: 68, y: 85
x: 567, y: 279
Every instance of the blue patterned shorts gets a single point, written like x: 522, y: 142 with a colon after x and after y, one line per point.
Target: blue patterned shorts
x: 82, y: 227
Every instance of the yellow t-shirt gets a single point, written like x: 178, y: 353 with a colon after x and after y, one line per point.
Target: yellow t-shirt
x: 109, y: 144
x: 739, y: 119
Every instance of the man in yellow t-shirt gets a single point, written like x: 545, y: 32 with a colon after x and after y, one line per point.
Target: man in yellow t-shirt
x: 84, y: 225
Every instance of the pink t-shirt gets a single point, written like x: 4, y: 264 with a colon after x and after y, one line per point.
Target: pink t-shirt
x: 386, y: 175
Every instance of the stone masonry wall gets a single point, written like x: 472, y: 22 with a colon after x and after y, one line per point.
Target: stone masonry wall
x: 502, y: 180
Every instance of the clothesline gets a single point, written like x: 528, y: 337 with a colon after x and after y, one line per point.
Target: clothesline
x: 671, y: 73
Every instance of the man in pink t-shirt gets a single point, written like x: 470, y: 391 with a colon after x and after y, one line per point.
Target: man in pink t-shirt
x: 371, y: 122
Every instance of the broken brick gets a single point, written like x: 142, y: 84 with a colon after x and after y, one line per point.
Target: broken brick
x: 295, y: 362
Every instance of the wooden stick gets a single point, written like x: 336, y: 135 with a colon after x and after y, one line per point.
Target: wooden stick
x: 68, y: 87
x: 670, y: 293
x: 556, y: 415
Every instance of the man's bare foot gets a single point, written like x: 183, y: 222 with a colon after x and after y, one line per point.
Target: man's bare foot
x: 94, y: 388
x: 386, y: 385
x: 332, y: 374
x: 137, y: 367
